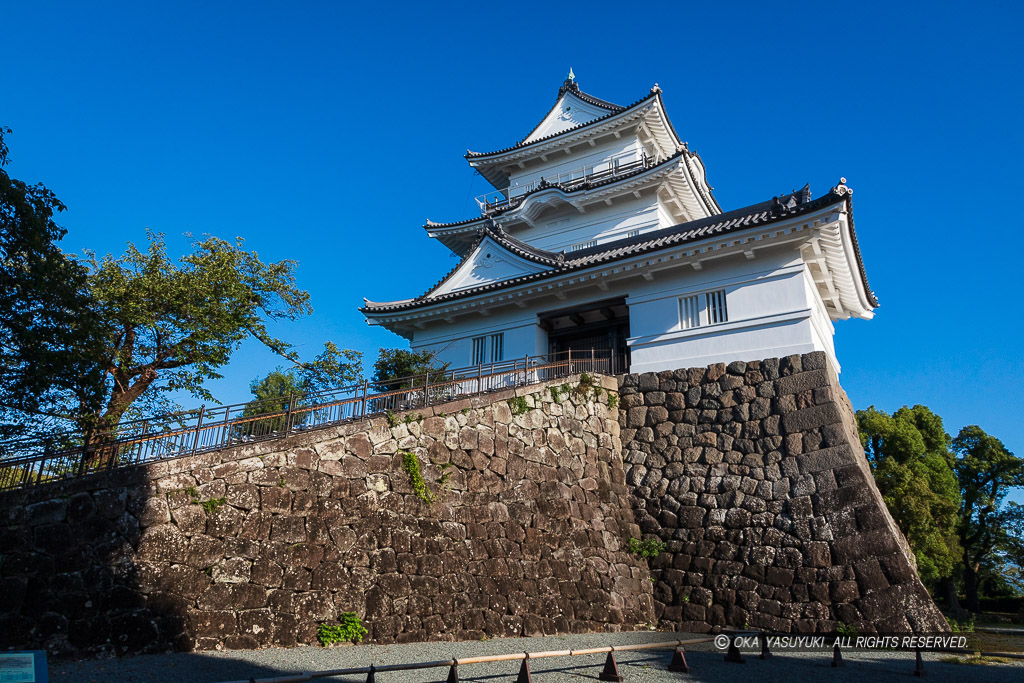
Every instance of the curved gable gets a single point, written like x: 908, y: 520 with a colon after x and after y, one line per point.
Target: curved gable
x: 570, y: 111
x: 490, y: 262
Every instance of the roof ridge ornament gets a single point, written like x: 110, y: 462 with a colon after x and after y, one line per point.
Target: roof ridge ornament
x: 841, y: 189
x: 569, y: 84
x: 656, y: 89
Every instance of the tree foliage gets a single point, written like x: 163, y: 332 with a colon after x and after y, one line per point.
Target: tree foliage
x: 49, y: 332
x: 989, y: 530
x: 172, y: 326
x: 909, y: 454
x: 393, y: 365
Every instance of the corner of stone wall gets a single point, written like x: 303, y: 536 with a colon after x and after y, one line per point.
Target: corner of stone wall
x: 754, y: 476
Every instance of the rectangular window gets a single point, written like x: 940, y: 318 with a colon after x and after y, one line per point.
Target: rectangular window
x: 689, y: 312
x: 703, y: 309
x: 497, y: 347
x: 479, y: 350
x: 717, y: 312
x: 583, y: 245
x: 488, y: 349
x: 632, y: 233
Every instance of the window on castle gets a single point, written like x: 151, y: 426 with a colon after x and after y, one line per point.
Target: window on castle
x: 717, y: 312
x: 583, y: 245
x: 632, y: 233
x: 479, y: 350
x: 488, y: 349
x: 497, y: 347
x: 703, y: 309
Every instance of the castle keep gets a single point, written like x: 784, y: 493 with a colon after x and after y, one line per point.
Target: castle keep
x: 603, y: 233
x: 506, y: 502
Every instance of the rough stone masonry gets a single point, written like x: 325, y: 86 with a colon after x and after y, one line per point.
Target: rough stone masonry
x: 257, y: 545
x: 752, y: 474
x: 754, y: 477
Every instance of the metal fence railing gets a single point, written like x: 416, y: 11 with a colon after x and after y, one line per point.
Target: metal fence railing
x: 27, y: 463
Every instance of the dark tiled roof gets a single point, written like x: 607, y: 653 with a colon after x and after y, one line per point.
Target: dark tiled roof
x: 523, y: 144
x: 771, y: 211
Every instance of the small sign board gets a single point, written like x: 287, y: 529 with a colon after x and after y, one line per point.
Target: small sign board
x: 23, y: 667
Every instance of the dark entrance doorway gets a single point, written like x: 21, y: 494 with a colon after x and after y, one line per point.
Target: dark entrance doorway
x: 600, y: 326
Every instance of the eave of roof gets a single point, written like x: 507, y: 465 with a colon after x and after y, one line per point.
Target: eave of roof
x: 764, y: 213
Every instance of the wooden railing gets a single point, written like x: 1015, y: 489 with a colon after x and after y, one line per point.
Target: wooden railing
x: 173, y: 435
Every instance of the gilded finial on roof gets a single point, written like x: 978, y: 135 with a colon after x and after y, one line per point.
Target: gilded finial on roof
x: 572, y: 76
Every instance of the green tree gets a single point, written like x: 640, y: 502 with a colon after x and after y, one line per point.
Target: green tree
x: 49, y: 332
x: 912, y: 465
x: 397, y: 364
x: 171, y: 326
x: 293, y: 387
x: 986, y: 471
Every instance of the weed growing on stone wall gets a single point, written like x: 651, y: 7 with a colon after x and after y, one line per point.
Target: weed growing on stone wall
x: 410, y: 418
x: 848, y: 630
x: 518, y: 405
x: 585, y: 384
x: 392, y: 420
x: 283, y: 482
x: 556, y: 394
x: 350, y: 629
x: 613, y: 400
x: 411, y: 465
x: 213, y: 504
x: 652, y: 547
x: 464, y: 411
x: 192, y: 493
x: 445, y: 481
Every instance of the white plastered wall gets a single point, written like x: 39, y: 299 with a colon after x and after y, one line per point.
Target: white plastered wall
x: 773, y: 311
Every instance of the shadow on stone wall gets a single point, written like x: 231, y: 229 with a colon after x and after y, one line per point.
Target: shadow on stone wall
x: 257, y: 545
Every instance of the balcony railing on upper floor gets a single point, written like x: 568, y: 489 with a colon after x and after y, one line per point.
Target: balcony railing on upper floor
x: 512, y: 196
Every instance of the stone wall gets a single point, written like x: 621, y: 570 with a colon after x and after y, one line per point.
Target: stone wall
x: 258, y: 544
x: 754, y: 477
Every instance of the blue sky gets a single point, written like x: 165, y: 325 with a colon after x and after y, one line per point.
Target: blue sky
x: 327, y: 133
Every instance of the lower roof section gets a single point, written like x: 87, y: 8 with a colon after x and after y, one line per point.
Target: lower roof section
x: 840, y: 265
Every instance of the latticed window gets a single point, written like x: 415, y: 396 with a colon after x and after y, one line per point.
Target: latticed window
x: 489, y: 348
x: 689, y: 312
x: 717, y: 313
x: 479, y: 350
x: 703, y: 309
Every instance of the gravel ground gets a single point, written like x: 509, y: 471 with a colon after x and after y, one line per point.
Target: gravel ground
x: 640, y: 666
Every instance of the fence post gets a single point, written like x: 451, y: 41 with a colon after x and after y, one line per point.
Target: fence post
x: 526, y: 369
x: 366, y: 386
x: 199, y: 426
x: 479, y: 378
x: 288, y: 414
x: 593, y: 367
x: 569, y: 363
x: 426, y: 388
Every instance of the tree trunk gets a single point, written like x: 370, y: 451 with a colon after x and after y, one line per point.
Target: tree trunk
x: 971, y: 587
x: 104, y: 454
x: 947, y: 589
